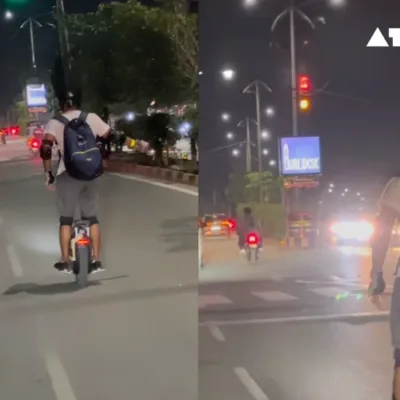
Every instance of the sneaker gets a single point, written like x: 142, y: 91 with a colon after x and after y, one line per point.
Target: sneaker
x: 96, y: 267
x: 242, y: 251
x: 62, y: 267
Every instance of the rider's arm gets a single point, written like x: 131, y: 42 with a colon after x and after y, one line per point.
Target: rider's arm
x: 45, y: 154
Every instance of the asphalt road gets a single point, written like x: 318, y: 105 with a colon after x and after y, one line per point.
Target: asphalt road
x: 297, y: 325
x: 133, y: 333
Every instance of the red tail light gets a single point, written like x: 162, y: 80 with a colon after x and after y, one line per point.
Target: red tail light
x: 232, y: 224
x: 83, y: 242
x: 252, y: 239
x: 35, y: 144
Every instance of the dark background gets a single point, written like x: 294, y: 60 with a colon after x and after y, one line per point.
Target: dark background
x: 359, y: 126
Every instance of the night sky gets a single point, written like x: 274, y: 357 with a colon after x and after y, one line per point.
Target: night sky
x: 15, y: 44
x: 360, y: 130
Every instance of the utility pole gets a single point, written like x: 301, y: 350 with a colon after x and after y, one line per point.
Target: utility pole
x: 63, y: 39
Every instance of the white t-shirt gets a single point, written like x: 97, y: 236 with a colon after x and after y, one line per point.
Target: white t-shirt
x: 56, y: 128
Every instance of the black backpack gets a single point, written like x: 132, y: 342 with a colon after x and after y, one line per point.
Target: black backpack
x: 82, y: 156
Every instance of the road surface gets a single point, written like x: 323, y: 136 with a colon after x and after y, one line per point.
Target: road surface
x: 132, y: 334
x: 298, y: 325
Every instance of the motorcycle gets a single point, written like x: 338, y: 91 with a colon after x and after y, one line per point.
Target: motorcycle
x: 252, y: 247
x: 34, y: 146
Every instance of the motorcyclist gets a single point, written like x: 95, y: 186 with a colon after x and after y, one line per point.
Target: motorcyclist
x: 248, y: 224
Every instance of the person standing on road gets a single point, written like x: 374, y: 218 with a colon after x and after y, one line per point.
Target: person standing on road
x: 389, y: 205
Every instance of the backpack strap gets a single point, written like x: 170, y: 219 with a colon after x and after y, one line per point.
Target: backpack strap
x: 83, y: 116
x: 62, y: 119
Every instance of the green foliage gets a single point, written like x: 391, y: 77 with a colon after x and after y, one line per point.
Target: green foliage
x: 23, y: 117
x: 127, y: 52
x: 271, y: 187
x: 246, y: 188
x: 271, y: 216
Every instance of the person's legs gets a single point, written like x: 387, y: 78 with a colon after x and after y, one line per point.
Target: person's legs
x: 67, y: 191
x: 380, y: 246
x: 89, y: 209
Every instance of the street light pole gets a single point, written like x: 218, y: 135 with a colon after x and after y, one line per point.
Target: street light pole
x: 248, y: 146
x: 32, y: 22
x: 254, y: 87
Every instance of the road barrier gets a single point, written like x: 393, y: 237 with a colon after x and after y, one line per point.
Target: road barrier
x: 127, y: 167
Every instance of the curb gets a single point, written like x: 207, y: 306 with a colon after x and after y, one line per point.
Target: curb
x: 117, y: 166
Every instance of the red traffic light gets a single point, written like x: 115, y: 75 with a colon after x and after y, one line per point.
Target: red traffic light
x: 304, y: 84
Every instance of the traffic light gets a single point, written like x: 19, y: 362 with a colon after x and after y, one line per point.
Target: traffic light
x: 304, y: 104
x: 304, y: 84
x: 304, y: 87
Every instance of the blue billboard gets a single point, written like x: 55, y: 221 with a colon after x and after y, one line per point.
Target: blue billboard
x: 300, y: 155
x: 36, y: 95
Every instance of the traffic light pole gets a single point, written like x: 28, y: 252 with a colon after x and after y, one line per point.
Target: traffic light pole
x: 293, y: 69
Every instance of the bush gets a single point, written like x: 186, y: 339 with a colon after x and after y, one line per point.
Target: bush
x: 271, y: 216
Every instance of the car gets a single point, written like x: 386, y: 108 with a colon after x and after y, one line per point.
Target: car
x: 217, y: 225
x: 352, y: 229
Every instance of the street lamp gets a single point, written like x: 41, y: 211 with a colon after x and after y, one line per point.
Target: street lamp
x: 229, y: 135
x: 8, y: 15
x: 228, y: 74
x: 130, y: 116
x: 235, y: 153
x: 358, y: 194
x: 272, y: 163
x: 225, y: 117
x: 330, y: 190
x: 265, y: 152
x: 346, y: 190
x: 331, y: 185
x: 270, y: 111
x: 265, y: 135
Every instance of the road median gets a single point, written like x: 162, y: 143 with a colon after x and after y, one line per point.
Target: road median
x: 165, y: 174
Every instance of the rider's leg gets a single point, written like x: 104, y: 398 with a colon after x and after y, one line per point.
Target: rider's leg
x: 67, y: 191
x: 380, y: 246
x: 89, y: 207
x: 381, y: 238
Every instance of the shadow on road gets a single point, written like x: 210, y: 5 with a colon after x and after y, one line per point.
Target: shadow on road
x: 54, y: 288
x: 180, y: 233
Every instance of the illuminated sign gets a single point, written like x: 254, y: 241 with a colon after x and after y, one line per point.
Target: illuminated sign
x: 300, y: 155
x: 36, y: 95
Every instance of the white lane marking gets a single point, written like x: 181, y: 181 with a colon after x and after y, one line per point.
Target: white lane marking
x: 206, y: 300
x: 329, y: 291
x: 216, y: 333
x: 270, y: 295
x: 58, y: 376
x: 250, y: 384
x: 15, y: 263
x: 193, y: 192
x: 307, y: 318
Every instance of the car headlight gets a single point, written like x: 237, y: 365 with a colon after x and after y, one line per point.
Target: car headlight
x: 360, y: 230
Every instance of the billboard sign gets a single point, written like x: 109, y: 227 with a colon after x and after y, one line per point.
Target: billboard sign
x: 36, y: 95
x: 300, y: 155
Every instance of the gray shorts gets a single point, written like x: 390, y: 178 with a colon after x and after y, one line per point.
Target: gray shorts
x: 73, y: 194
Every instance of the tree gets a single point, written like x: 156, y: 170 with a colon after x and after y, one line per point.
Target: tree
x: 271, y: 187
x: 159, y: 134
x: 123, y: 53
